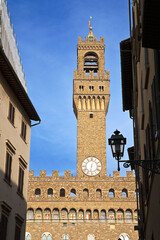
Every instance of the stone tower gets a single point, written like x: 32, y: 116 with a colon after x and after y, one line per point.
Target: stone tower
x: 89, y: 206
x: 90, y: 103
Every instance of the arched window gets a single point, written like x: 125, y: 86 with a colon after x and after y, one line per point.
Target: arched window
x: 62, y: 192
x: 30, y: 214
x: 128, y: 215
x: 103, y: 215
x: 55, y: 213
x: 81, y: 87
x: 91, y: 88
x: 49, y: 237
x: 38, y: 214
x: 88, y: 214
x: 50, y: 192
x: 65, y: 237
x: 47, y: 214
x: 72, y: 214
x: 73, y: 192
x: 81, y: 214
x: 111, y: 193
x: 102, y: 103
x: 64, y: 214
x: 91, y: 237
x: 98, y: 193
x: 98, y: 103
x: 38, y: 192
x: 135, y: 215
x: 124, y: 236
x: 127, y: 237
x: 111, y: 215
x: 120, y: 215
x: 28, y: 236
x: 46, y: 236
x: 91, y: 62
x: 85, y: 193
x: 80, y: 102
x: 95, y: 214
x: 124, y: 193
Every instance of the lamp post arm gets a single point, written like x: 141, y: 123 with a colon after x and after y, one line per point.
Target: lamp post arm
x: 151, y: 165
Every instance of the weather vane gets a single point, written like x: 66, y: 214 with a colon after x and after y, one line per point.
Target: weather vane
x: 90, y: 35
x: 90, y: 22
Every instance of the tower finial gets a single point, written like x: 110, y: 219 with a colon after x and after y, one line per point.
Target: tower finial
x: 90, y: 27
x: 90, y: 35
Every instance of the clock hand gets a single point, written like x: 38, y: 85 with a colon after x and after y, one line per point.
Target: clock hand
x: 91, y: 166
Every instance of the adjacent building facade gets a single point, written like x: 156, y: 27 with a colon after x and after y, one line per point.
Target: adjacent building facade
x: 91, y: 205
x: 140, y: 62
x: 9, y: 43
x: 16, y: 113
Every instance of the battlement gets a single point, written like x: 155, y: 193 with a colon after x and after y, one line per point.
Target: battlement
x: 68, y: 176
x: 86, y: 41
x: 78, y: 75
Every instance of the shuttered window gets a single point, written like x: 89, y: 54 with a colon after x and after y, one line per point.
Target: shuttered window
x: 23, y: 130
x: 20, y: 180
x: 3, y: 227
x: 11, y: 113
x: 8, y: 167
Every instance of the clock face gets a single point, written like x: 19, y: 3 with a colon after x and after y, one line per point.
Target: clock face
x: 91, y: 166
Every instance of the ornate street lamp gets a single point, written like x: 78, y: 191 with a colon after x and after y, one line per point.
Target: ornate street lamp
x: 117, y: 142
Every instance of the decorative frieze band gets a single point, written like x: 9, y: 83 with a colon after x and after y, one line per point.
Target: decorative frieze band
x: 89, y: 47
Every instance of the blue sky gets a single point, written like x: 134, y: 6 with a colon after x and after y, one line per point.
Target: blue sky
x: 47, y: 35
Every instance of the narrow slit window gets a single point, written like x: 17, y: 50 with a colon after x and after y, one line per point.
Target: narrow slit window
x: 91, y: 115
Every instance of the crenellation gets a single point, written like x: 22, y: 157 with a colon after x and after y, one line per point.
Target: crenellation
x: 69, y: 177
x: 31, y: 174
x: 116, y: 174
x: 42, y: 173
x: 130, y: 174
x: 55, y: 174
x: 79, y: 39
x: 87, y: 41
x: 67, y: 174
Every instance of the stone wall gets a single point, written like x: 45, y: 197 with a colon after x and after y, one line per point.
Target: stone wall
x: 114, y: 209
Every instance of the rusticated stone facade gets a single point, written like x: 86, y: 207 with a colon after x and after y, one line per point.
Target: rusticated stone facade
x: 104, y: 207
x: 90, y: 206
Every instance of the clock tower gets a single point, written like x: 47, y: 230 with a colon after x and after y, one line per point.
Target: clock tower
x: 91, y: 205
x: 90, y: 102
